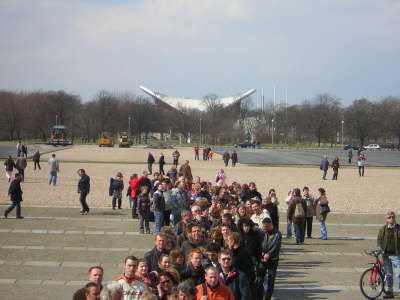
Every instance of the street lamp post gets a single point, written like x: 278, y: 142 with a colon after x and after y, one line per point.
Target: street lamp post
x: 200, y: 132
x: 342, y: 132
x: 273, y: 131
x: 56, y: 119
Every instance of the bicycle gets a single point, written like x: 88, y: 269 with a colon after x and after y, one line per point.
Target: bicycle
x: 373, y: 280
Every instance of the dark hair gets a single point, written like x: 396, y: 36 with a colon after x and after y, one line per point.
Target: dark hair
x: 225, y: 252
x: 296, y: 192
x: 322, y: 191
x: 227, y: 216
x: 89, y: 285
x: 192, y: 225
x: 255, y: 202
x: 213, y: 247
x: 130, y: 257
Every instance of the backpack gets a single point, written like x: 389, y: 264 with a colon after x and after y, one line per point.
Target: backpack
x: 299, y: 211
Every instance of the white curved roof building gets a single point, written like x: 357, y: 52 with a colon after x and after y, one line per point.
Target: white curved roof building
x: 200, y: 104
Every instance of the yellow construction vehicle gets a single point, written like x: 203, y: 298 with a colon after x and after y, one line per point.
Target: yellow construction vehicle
x: 124, y: 140
x: 106, y: 140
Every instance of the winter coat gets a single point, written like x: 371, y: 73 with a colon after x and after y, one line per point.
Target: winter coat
x: 21, y: 163
x: 9, y: 165
x: 15, y: 190
x: 186, y: 171
x: 150, y: 159
x: 241, y: 261
x: 161, y: 161
x: 272, y: 209
x: 324, y: 201
x: 382, y: 241
x: 159, y: 201
x: 143, y: 204
x: 134, y: 184
x: 226, y: 156
x: 310, y: 206
x: 335, y: 165
x: 292, y: 209
x: 324, y: 164
x: 271, y: 244
x: 84, y: 184
x: 151, y: 258
x: 238, y: 282
x: 179, y: 201
x: 221, y: 291
x: 116, y: 187
x: 197, y: 276
x: 36, y: 156
x: 234, y: 157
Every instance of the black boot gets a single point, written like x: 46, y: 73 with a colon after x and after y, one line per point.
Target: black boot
x: 389, y: 295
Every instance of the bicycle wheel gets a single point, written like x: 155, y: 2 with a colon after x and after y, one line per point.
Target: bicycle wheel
x: 370, y: 288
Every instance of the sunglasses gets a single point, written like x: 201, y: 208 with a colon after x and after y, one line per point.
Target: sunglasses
x: 165, y: 281
x: 226, y: 258
x: 390, y: 217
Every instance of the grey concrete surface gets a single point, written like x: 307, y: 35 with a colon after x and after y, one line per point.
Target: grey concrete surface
x: 310, y: 157
x: 7, y: 149
x: 46, y: 255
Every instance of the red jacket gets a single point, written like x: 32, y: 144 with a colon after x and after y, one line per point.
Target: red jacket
x: 134, y: 184
x: 221, y: 292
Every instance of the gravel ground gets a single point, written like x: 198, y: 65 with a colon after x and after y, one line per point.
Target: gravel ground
x: 349, y: 194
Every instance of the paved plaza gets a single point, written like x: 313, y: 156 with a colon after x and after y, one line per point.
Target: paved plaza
x: 46, y: 255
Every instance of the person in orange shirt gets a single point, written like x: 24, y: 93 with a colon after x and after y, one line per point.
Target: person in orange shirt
x: 210, y: 155
x: 212, y: 289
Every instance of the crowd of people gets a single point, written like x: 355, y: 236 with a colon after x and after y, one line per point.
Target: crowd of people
x: 216, y: 240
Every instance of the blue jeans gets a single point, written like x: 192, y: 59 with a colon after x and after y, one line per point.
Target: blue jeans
x: 289, y: 228
x: 158, y: 221
x: 392, y: 263
x: 299, y: 231
x: 323, y: 232
x: 53, y: 177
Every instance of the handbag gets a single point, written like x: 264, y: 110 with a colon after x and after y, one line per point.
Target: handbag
x: 324, y: 209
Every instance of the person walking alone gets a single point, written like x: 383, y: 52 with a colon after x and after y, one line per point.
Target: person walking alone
x: 196, y: 152
x: 9, y: 165
x: 83, y: 190
x: 54, y: 169
x: 15, y: 193
x: 175, y: 157
x: 324, y: 166
x: 361, y: 164
x: 335, y: 167
x: 161, y: 163
x: 350, y: 155
x: 150, y: 162
x: 36, y: 160
x: 226, y: 157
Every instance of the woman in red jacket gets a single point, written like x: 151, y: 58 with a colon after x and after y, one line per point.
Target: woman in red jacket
x: 134, y: 183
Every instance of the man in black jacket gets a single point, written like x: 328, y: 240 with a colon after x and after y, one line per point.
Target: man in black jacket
x: 150, y: 162
x: 83, y: 190
x: 152, y: 256
x: 235, y: 279
x: 270, y: 248
x: 15, y: 193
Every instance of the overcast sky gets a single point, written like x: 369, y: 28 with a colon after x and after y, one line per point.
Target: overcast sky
x: 348, y: 48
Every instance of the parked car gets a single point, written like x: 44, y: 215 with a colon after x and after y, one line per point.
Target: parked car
x: 244, y: 145
x: 373, y: 147
x: 351, y: 146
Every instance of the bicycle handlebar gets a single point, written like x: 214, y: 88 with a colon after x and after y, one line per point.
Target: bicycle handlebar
x: 375, y: 252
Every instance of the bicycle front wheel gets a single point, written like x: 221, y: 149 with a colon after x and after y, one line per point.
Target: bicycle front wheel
x: 371, y: 283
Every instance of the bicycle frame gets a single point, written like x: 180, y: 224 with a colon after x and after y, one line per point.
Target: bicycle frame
x: 376, y: 267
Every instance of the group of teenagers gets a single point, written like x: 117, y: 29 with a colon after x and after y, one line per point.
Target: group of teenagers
x: 222, y: 240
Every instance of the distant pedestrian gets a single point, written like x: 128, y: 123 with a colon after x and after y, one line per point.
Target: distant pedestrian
x: 205, y: 153
x: 150, y: 162
x: 54, y: 169
x: 115, y: 190
x: 36, y: 160
x: 220, y: 177
x: 361, y: 164
x: 335, y: 168
x: 24, y: 149
x: 83, y: 190
x: 9, y: 166
x: 15, y: 193
x: 161, y: 163
x: 234, y: 158
x: 196, y: 152
x: 21, y: 165
x: 186, y: 171
x: 175, y: 156
x: 350, y: 155
x: 289, y: 224
x: 210, y: 155
x: 19, y: 148
x: 324, y: 166
x: 226, y: 157
x: 134, y: 184
x: 172, y: 174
